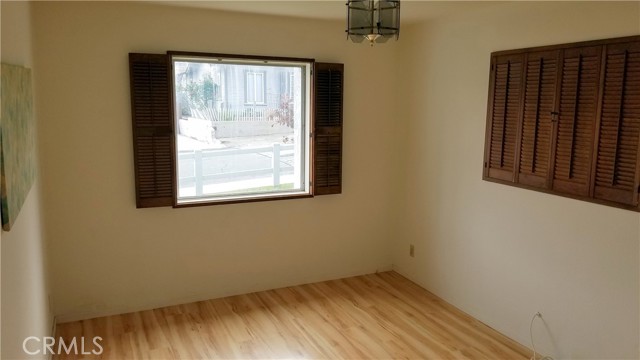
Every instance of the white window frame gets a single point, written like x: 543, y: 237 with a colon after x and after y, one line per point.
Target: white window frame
x: 253, y: 89
x: 304, y: 146
x: 290, y: 85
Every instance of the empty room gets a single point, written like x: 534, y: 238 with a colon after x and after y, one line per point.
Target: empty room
x: 320, y: 180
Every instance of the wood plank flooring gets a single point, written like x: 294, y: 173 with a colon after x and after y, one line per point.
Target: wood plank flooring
x: 378, y: 316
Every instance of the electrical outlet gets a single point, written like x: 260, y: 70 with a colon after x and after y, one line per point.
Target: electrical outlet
x: 412, y: 251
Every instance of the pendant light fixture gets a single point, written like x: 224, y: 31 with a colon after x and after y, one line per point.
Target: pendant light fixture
x: 375, y: 21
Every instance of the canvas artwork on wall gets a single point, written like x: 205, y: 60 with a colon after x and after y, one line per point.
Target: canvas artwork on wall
x: 17, y: 141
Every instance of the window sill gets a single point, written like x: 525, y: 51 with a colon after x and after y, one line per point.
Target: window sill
x: 239, y: 200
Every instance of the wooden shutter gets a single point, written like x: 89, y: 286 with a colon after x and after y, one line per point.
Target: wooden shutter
x: 576, y: 107
x: 536, y: 131
x: 327, y: 146
x: 616, y: 174
x: 152, y: 129
x: 503, y: 117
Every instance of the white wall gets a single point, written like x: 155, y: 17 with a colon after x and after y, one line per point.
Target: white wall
x: 501, y: 253
x: 25, y: 310
x: 108, y: 256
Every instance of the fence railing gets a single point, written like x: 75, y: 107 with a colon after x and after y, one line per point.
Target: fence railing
x: 199, y: 177
x: 247, y: 114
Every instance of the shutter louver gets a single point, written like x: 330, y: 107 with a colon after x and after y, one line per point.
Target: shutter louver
x: 616, y: 174
x: 504, y: 116
x: 578, y: 96
x: 539, y: 103
x: 577, y: 124
x: 152, y: 129
x: 327, y: 147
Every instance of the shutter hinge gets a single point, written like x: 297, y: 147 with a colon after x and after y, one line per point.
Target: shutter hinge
x: 492, y: 67
x: 639, y: 188
x: 485, y: 164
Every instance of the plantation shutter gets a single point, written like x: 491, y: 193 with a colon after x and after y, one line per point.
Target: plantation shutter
x: 504, y: 116
x: 537, y: 121
x: 616, y: 174
x: 327, y: 145
x: 577, y: 122
x: 577, y: 103
x: 152, y: 129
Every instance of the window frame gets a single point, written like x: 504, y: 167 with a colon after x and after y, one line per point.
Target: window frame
x: 289, y: 86
x: 263, y: 88
x: 308, y: 127
x: 153, y: 128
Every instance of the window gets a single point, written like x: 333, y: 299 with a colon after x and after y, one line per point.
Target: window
x: 255, y: 88
x: 290, y: 83
x: 198, y: 141
x: 564, y: 119
x: 233, y: 150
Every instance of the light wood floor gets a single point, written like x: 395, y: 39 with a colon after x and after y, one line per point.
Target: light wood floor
x: 381, y: 316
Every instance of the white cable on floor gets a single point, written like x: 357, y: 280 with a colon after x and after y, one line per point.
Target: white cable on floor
x: 533, y: 347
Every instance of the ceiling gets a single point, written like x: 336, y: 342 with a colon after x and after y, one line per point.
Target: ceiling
x: 412, y: 11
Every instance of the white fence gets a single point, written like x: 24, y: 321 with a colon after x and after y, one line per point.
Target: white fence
x: 200, y: 177
x: 247, y: 114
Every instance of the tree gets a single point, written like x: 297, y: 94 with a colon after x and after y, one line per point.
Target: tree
x: 283, y: 115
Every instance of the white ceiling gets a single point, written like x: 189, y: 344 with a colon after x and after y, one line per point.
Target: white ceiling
x: 411, y: 11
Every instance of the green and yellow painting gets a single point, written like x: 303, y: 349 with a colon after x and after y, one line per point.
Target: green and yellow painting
x: 17, y: 141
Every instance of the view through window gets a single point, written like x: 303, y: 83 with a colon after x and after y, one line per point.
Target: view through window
x: 242, y: 128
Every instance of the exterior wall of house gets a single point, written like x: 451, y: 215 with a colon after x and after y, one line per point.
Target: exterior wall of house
x: 232, y: 85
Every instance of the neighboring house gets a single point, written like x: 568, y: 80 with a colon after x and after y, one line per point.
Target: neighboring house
x: 232, y: 92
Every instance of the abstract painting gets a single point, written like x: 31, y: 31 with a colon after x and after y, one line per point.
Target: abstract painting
x: 17, y: 141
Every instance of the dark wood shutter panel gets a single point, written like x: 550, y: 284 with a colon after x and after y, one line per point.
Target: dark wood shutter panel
x: 152, y: 129
x: 616, y: 174
x: 504, y: 116
x: 578, y: 121
x: 327, y: 146
x: 539, y: 102
x: 577, y: 105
